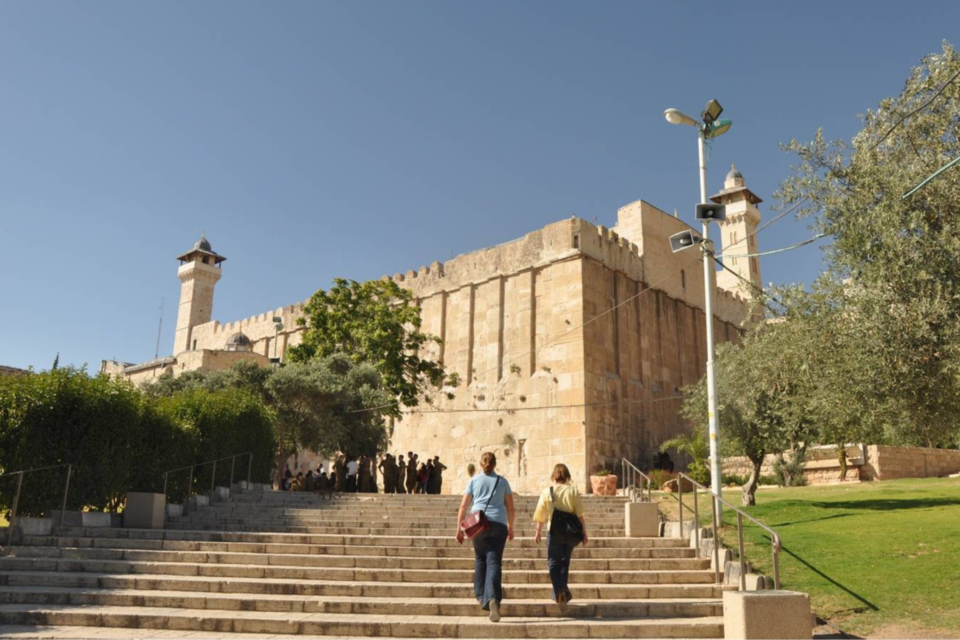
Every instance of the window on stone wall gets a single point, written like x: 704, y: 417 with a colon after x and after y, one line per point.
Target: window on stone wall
x: 194, y: 345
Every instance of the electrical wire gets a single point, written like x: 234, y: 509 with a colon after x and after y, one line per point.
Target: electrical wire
x: 915, y: 111
x: 542, y: 408
x: 930, y: 178
x: 774, y: 251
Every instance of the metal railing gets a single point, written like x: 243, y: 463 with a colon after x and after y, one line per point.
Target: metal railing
x: 213, y: 474
x: 16, y: 497
x: 630, y: 474
x: 716, y: 500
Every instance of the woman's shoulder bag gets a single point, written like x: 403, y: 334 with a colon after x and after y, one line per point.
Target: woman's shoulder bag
x: 565, y: 527
x: 476, y: 523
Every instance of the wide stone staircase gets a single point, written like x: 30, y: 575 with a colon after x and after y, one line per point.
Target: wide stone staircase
x: 266, y: 562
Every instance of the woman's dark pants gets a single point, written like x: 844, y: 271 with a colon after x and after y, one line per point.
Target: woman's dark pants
x: 487, y: 574
x: 558, y: 562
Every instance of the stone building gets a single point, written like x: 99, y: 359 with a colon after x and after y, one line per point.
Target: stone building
x: 571, y: 343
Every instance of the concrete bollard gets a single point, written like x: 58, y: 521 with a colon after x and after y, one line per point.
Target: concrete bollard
x: 144, y: 511
x: 33, y: 526
x: 95, y: 519
x: 174, y: 510
x: 221, y: 493
x: 642, y: 519
x: 758, y: 615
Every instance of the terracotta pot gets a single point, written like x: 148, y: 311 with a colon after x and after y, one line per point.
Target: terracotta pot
x: 604, y: 485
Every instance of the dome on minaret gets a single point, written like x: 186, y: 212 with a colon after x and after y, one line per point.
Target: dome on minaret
x: 734, y: 178
x: 202, y: 251
x: 203, y: 244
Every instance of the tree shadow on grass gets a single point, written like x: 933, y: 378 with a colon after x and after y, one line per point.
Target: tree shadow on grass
x: 888, y: 504
x: 834, y: 516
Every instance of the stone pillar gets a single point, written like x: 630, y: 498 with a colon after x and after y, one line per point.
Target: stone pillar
x: 642, y: 520
x: 755, y: 615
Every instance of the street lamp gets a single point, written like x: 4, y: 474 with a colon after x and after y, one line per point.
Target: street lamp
x: 708, y: 127
x: 278, y: 327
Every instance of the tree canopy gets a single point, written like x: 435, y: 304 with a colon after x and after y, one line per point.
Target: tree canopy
x: 375, y: 322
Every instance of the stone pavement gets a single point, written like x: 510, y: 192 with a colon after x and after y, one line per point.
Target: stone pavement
x: 280, y: 564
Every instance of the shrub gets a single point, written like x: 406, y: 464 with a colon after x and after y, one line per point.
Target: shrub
x: 660, y: 476
x: 789, y: 470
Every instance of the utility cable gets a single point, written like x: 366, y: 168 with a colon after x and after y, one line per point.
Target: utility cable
x: 930, y: 178
x: 915, y: 111
x: 774, y: 251
x: 542, y: 408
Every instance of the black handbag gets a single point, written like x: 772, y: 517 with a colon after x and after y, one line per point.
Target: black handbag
x: 565, y: 527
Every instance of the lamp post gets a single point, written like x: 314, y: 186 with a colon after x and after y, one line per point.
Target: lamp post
x: 708, y: 127
x: 277, y: 328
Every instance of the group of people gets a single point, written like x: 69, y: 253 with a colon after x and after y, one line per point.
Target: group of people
x: 491, y: 494
x: 358, y: 475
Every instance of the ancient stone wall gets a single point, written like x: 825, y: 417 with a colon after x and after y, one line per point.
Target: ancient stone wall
x: 889, y: 463
x: 259, y: 328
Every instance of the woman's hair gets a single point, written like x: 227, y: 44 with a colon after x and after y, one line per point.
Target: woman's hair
x: 561, y: 474
x: 488, y: 462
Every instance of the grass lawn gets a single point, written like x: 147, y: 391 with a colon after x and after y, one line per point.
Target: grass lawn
x: 880, y: 557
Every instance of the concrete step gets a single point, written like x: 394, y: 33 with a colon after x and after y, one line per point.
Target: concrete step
x: 421, y: 541
x: 345, y: 574
x: 318, y: 587
x: 457, y: 551
x: 345, y: 625
x: 369, y: 562
x: 405, y: 606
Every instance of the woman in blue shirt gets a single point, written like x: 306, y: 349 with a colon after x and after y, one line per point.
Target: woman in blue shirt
x: 491, y: 494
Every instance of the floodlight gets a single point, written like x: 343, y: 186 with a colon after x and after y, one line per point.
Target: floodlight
x: 674, y: 116
x: 717, y: 128
x: 684, y: 240
x: 711, y: 212
x: 711, y: 112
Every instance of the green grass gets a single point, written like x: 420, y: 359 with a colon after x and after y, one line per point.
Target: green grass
x: 872, y: 555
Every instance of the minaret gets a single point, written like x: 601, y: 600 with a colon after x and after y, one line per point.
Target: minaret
x: 199, y: 272
x: 743, y: 216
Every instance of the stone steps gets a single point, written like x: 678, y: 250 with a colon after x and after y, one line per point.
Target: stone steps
x: 325, y: 624
x: 197, y: 543
x: 345, y: 574
x: 356, y: 561
x: 407, y: 606
x: 358, y: 567
x: 313, y: 587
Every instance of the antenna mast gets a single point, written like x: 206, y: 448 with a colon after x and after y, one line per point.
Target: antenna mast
x: 156, y: 353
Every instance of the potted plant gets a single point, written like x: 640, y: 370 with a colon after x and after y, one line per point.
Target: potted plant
x: 604, y: 483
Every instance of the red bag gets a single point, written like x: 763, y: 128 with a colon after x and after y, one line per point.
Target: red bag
x: 476, y: 523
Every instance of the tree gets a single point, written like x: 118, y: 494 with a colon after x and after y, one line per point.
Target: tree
x: 325, y: 404
x: 695, y: 445
x: 374, y: 322
x: 893, y: 262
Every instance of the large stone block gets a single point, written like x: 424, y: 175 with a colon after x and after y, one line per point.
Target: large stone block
x: 34, y: 526
x: 96, y: 519
x: 144, y: 511
x: 642, y: 519
x: 755, y: 615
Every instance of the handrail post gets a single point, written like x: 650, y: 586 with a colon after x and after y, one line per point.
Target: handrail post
x: 680, y: 496
x: 696, y: 518
x: 249, y: 468
x: 743, y: 564
x: 716, y: 542
x: 66, y: 488
x: 213, y: 479
x: 233, y: 463
x: 776, y: 562
x: 13, y: 512
x: 165, y: 485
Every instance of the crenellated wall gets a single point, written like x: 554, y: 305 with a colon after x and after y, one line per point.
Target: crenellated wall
x: 260, y: 329
x: 537, y: 323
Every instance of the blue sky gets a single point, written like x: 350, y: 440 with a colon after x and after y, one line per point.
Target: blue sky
x: 318, y: 139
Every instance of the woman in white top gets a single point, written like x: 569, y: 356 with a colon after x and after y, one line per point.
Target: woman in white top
x: 562, y: 496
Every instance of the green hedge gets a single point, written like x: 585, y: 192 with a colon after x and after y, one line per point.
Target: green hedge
x: 117, y: 438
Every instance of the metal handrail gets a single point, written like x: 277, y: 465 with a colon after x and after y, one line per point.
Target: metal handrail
x: 16, y: 498
x: 774, y: 536
x: 629, y: 487
x: 213, y: 475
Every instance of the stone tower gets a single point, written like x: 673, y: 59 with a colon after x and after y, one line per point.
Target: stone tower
x: 743, y: 216
x: 199, y: 272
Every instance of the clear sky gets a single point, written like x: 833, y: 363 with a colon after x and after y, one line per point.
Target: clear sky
x: 319, y: 139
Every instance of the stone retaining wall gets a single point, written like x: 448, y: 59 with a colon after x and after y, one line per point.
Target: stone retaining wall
x: 889, y: 463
